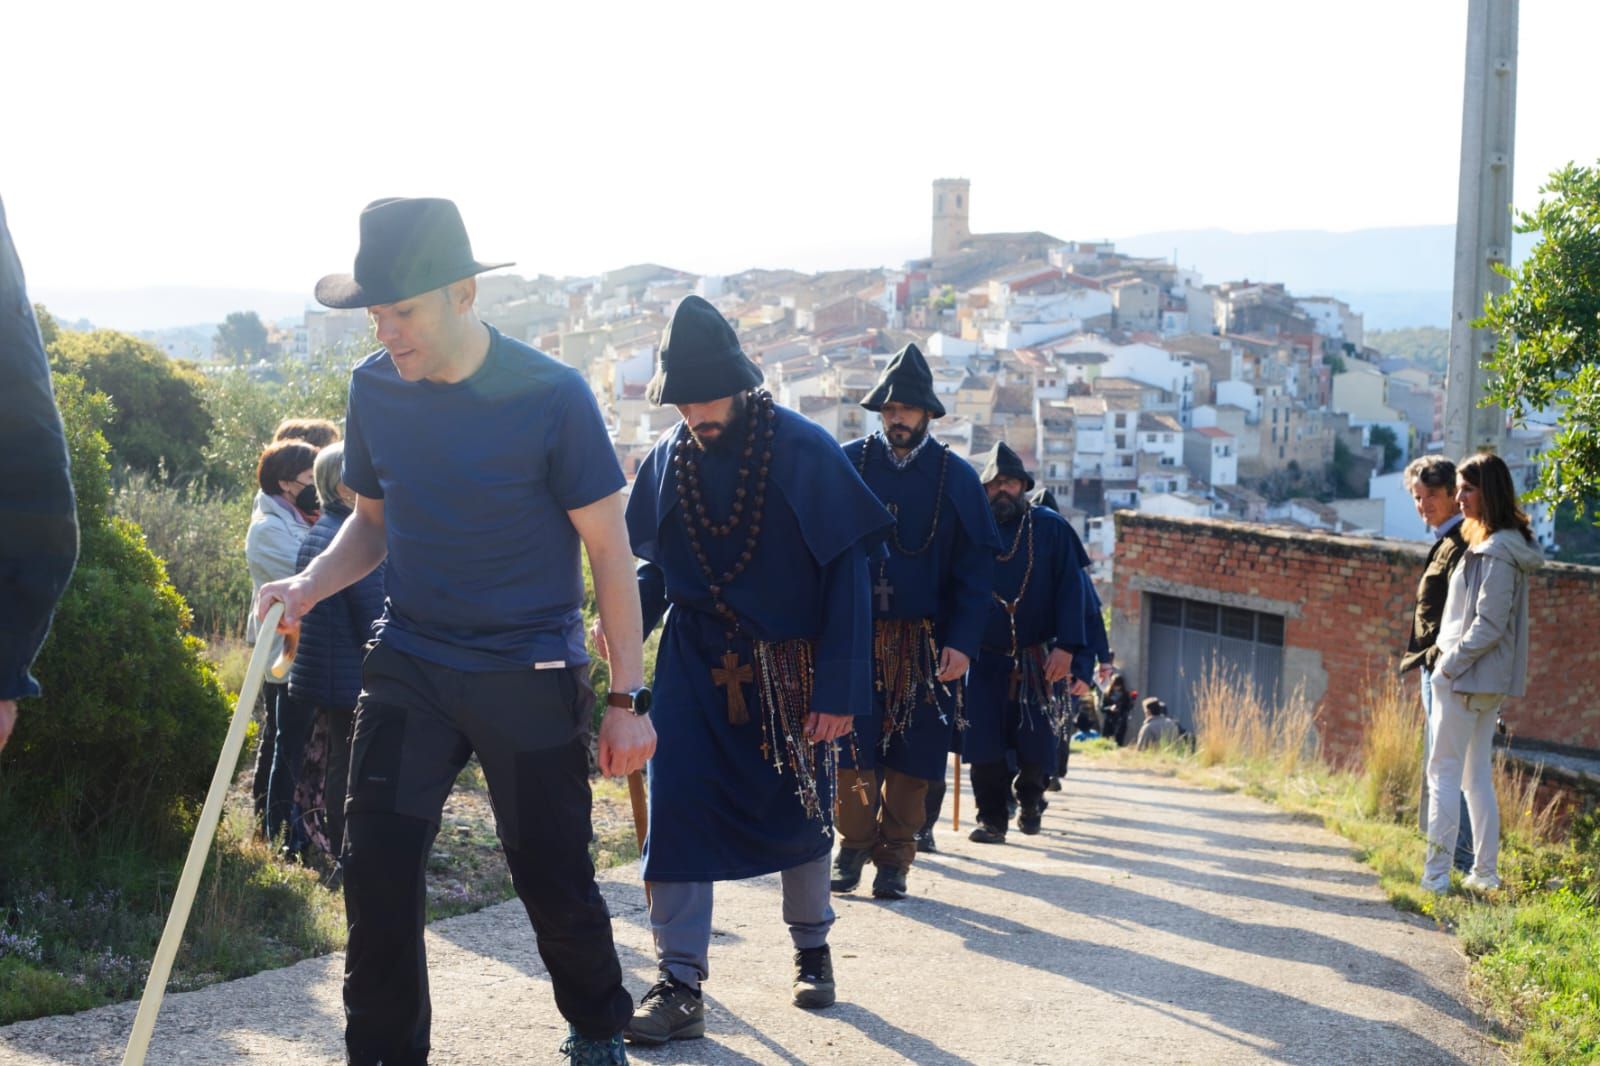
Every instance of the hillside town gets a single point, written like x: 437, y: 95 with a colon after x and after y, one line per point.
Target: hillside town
x: 1123, y: 382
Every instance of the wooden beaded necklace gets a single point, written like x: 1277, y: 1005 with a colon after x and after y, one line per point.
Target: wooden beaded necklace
x: 752, y: 485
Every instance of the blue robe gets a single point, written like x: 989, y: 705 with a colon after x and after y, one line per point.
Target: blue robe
x: 719, y: 810
x: 1053, y: 614
x: 948, y: 583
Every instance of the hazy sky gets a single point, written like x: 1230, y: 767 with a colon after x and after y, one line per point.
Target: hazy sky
x: 215, y: 144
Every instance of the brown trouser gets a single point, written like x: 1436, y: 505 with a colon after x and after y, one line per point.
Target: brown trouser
x: 887, y: 823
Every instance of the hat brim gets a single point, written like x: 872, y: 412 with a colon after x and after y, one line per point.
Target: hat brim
x: 885, y: 394
x: 695, y: 385
x: 343, y: 292
x: 991, y: 472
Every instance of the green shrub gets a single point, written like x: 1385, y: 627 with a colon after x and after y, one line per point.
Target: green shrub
x: 158, y: 421
x: 124, y: 739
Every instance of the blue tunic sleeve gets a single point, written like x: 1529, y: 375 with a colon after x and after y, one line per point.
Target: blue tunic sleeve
x: 37, y: 511
x: 1069, y: 597
x: 972, y: 590
x: 652, y: 595
x: 844, y: 645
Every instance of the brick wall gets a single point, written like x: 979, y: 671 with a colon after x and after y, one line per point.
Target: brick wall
x: 1347, y: 604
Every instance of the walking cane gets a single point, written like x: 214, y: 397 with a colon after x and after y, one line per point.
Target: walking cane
x: 641, y: 817
x: 955, y: 813
x: 205, y: 831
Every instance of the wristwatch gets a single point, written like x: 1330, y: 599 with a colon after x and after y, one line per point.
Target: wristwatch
x: 637, y: 701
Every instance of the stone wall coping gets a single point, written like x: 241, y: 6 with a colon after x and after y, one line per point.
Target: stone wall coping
x: 1312, y: 541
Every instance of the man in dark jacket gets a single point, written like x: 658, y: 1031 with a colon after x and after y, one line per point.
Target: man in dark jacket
x: 1431, y: 480
x: 37, y: 511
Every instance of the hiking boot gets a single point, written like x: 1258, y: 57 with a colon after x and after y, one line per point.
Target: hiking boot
x: 890, y: 883
x: 671, y: 1010
x: 581, y: 1051
x: 847, y: 868
x: 813, y: 977
x: 1030, y: 819
x: 988, y: 834
x: 925, y: 844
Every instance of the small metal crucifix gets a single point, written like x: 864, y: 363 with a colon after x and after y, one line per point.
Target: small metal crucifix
x: 731, y: 677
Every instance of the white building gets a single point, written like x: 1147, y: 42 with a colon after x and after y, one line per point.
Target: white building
x: 1212, y: 455
x: 1333, y: 319
x: 1150, y: 365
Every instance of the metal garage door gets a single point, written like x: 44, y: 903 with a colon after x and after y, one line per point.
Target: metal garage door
x: 1187, y: 635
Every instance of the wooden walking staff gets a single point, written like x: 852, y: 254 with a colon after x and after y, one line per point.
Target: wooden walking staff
x: 641, y: 818
x: 161, y: 966
x: 955, y: 813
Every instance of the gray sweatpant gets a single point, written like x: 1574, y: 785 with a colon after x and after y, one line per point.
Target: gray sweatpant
x: 680, y: 918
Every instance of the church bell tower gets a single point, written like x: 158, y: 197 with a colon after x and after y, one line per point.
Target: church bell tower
x: 951, y: 201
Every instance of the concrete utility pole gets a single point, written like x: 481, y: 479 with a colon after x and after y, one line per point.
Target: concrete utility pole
x: 1483, y: 219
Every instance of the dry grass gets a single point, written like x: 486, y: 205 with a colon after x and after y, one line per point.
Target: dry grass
x: 1391, y: 753
x: 1516, y: 787
x: 1233, y: 725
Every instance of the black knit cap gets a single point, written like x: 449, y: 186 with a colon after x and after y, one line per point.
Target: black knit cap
x: 906, y: 380
x: 1003, y: 462
x: 409, y: 246
x: 700, y: 358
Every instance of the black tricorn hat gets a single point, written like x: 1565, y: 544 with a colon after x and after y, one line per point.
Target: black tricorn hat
x: 1044, y: 498
x: 1003, y: 462
x: 408, y: 247
x: 906, y: 380
x: 700, y: 358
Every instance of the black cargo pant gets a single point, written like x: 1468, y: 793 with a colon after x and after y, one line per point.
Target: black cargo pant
x: 991, y: 789
x: 416, y: 725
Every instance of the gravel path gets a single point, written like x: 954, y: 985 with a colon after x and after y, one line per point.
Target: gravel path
x: 1150, y: 922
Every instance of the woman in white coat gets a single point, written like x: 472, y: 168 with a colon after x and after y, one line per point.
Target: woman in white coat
x: 1483, y: 643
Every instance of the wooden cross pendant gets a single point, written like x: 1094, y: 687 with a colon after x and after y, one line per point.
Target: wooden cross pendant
x: 883, y: 590
x: 1016, y: 682
x: 731, y: 677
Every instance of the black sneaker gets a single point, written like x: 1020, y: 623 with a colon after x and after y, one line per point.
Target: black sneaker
x: 890, y: 883
x: 581, y: 1051
x: 988, y: 834
x: 671, y: 1010
x: 925, y: 842
x: 1029, y: 820
x: 847, y: 868
x: 813, y: 977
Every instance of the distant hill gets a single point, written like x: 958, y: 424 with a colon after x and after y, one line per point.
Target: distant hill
x: 167, y: 306
x: 1397, y: 277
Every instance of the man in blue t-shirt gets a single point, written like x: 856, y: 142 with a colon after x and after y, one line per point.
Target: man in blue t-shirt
x: 480, y: 464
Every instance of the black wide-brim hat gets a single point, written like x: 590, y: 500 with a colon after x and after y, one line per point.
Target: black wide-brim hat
x: 700, y: 358
x: 409, y: 246
x: 906, y: 380
x: 1003, y: 462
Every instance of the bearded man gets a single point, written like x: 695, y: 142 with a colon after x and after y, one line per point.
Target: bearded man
x: 1036, y: 639
x: 931, y: 595
x: 755, y: 531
